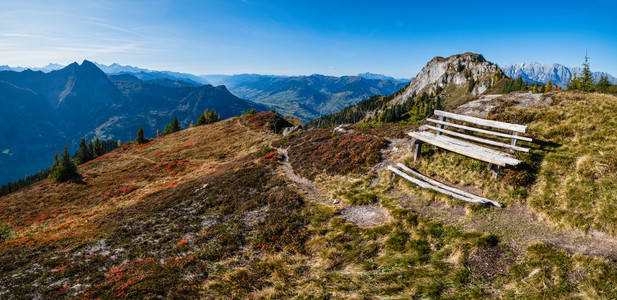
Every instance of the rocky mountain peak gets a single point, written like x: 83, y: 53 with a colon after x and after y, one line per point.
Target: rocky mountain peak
x: 450, y: 74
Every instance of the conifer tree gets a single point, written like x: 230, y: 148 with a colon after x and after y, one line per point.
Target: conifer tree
x: 63, y: 169
x: 202, y: 119
x: 534, y: 88
x: 603, y: 84
x: 171, y: 127
x: 83, y: 154
x: 56, y: 162
x: 99, y: 148
x: 91, y: 148
x: 574, y: 84
x: 587, y: 81
x: 471, y: 84
x: 212, y: 117
x: 140, y: 139
x: 549, y: 87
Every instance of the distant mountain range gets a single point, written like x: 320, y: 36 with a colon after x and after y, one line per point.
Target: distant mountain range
x: 542, y: 73
x: 44, y: 111
x: 369, y: 75
x: 46, y: 69
x: 307, y: 97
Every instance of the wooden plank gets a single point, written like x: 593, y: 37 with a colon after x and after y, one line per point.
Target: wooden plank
x: 477, y: 139
x: 445, y: 187
x: 431, y: 187
x: 470, y: 148
x: 467, y: 149
x: 501, y: 134
x: 483, y: 122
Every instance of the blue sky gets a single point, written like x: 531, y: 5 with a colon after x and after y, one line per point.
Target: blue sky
x: 291, y: 37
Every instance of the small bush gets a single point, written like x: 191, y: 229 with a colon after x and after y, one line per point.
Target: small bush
x: 5, y: 233
x: 266, y: 149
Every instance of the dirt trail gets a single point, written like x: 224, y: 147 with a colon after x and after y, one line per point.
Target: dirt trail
x: 305, y: 185
x: 360, y: 215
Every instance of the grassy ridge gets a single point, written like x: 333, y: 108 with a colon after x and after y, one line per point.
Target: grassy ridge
x: 204, y: 213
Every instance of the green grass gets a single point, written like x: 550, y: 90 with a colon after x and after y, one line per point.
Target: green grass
x: 577, y: 181
x: 570, y: 175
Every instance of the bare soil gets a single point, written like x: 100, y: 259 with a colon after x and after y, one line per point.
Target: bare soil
x: 490, y: 261
x: 366, y: 215
x: 310, y: 189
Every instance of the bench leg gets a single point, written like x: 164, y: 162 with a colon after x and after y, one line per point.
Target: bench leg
x: 417, y: 149
x: 495, y: 170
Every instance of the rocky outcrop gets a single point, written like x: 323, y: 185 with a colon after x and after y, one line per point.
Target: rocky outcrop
x: 451, y: 76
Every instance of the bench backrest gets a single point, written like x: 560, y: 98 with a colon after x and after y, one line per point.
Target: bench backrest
x: 515, y: 129
x: 483, y: 122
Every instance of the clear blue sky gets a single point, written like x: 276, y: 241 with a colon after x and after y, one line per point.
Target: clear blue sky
x: 304, y: 37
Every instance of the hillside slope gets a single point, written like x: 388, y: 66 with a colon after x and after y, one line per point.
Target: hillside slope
x: 45, y: 111
x: 215, y: 212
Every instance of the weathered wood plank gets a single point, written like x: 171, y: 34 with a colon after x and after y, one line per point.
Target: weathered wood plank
x: 477, y: 139
x: 467, y: 149
x: 462, y: 143
x: 501, y: 134
x: 445, y: 187
x: 483, y: 122
x: 427, y: 185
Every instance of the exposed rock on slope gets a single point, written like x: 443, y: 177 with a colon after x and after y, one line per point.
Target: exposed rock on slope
x: 452, y: 76
x: 483, y: 106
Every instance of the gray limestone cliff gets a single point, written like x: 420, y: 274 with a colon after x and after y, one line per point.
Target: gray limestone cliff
x: 451, y: 77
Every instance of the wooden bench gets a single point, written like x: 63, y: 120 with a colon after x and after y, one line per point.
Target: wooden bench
x: 448, y: 136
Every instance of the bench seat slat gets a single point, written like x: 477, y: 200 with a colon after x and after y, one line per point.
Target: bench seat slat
x: 467, y: 149
x: 477, y: 139
x: 483, y: 122
x: 501, y: 134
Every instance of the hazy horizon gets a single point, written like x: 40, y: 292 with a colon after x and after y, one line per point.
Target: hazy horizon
x: 303, y: 38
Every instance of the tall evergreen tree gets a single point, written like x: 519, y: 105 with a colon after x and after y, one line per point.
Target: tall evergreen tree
x: 549, y: 86
x: 83, y: 154
x: 64, y: 169
x: 587, y: 81
x: 212, y: 117
x: 99, y: 148
x: 202, y: 119
x: 140, y: 139
x: 172, y: 127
